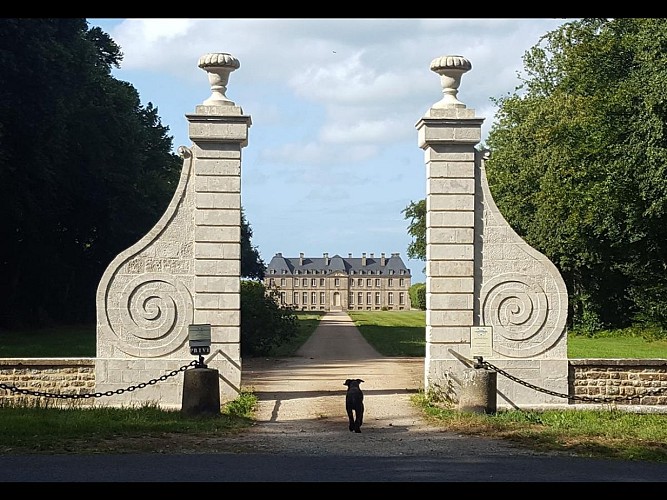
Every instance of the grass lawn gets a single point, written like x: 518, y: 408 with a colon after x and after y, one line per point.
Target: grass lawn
x: 392, y: 333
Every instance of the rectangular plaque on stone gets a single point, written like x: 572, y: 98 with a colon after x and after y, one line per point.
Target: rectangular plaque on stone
x: 481, y: 341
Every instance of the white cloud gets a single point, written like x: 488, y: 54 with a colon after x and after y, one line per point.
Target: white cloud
x: 334, y: 103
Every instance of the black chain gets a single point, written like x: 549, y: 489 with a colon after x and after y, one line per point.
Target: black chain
x: 100, y: 394
x: 480, y: 363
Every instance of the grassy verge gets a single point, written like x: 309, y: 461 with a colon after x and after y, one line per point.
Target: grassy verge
x: 611, y: 433
x: 392, y: 333
x: 44, y: 428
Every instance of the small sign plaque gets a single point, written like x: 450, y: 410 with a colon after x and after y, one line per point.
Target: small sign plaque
x: 200, y: 339
x: 481, y: 341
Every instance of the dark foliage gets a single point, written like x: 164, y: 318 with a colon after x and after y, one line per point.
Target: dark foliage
x: 264, y: 323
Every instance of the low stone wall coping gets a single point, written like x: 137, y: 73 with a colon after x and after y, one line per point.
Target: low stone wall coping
x: 28, y: 362
x: 618, y: 362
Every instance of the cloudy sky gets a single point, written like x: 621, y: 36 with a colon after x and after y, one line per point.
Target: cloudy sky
x: 332, y: 156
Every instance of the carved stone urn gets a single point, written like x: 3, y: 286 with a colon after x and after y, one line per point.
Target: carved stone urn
x: 218, y: 66
x: 450, y: 69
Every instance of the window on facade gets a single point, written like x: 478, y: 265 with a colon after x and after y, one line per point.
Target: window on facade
x: 296, y: 297
x: 377, y: 298
x: 351, y: 282
x: 305, y: 282
x: 360, y: 298
x: 369, y: 283
x: 321, y: 297
x: 360, y: 282
x: 390, y: 282
x: 282, y: 297
x: 305, y: 298
x: 313, y: 282
x: 390, y: 298
x: 368, y: 298
x: 402, y: 271
x: 296, y: 281
x: 401, y: 298
x: 377, y: 282
x: 391, y: 271
x: 401, y: 282
x: 313, y: 298
x: 321, y: 281
x: 272, y: 282
x: 351, y: 299
x: 337, y: 282
x: 283, y: 281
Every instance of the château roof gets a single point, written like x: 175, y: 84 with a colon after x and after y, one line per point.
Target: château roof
x: 349, y: 265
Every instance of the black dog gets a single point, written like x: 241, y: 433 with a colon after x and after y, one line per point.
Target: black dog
x: 354, y: 404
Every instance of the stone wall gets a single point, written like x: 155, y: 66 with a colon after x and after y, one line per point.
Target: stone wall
x: 48, y: 375
x: 588, y: 378
x: 604, y: 378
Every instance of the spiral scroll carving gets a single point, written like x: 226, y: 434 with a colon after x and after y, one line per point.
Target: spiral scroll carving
x: 153, y: 313
x: 517, y: 307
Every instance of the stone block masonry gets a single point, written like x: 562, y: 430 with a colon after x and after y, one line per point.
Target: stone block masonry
x: 620, y: 378
x: 49, y: 375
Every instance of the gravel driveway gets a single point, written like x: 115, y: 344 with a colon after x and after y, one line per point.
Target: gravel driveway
x: 301, y: 405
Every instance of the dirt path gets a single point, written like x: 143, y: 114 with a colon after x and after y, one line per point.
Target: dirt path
x: 301, y: 405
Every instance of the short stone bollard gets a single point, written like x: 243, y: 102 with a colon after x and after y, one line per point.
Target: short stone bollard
x: 478, y: 391
x: 201, y: 392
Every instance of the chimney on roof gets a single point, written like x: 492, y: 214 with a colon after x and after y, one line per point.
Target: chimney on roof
x: 372, y: 255
x: 349, y: 255
x: 363, y: 259
x: 301, y: 259
x: 383, y: 260
x: 326, y: 259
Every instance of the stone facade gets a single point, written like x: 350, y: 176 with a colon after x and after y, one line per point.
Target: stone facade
x: 335, y: 283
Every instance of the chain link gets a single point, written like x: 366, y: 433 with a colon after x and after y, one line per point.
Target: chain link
x: 480, y: 363
x: 131, y: 388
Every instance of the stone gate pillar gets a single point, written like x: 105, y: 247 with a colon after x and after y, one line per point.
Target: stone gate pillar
x: 487, y: 291
x: 185, y: 271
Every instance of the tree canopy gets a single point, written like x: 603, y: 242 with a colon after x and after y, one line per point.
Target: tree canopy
x: 85, y: 171
x: 578, y: 166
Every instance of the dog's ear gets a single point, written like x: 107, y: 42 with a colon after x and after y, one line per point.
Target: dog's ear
x: 347, y: 382
x: 359, y: 380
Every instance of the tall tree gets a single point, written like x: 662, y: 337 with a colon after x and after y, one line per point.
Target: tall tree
x: 415, y: 212
x: 578, y: 165
x: 85, y: 169
x: 252, y: 265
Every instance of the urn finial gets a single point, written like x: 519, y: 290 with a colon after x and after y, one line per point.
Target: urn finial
x: 450, y: 69
x: 218, y: 65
